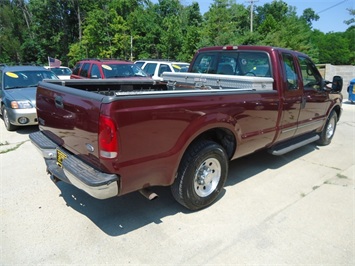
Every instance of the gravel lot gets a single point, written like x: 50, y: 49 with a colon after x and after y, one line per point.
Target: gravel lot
x: 294, y: 209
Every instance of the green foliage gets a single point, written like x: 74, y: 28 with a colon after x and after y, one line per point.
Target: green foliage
x: 32, y: 30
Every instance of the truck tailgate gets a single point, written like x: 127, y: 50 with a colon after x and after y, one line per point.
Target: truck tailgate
x: 70, y: 118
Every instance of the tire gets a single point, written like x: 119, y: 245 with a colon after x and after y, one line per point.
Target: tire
x: 329, y: 129
x: 201, y: 175
x: 5, y: 117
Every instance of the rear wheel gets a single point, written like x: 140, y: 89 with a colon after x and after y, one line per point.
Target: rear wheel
x: 201, y: 175
x: 329, y: 129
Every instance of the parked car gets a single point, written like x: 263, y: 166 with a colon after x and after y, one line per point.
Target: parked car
x: 106, y: 68
x: 61, y: 72
x: 18, y: 94
x: 155, y: 68
x: 351, y: 90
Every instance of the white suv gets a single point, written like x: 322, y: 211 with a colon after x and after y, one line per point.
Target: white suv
x: 155, y: 68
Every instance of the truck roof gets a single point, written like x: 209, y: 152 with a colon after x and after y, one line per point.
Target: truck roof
x: 248, y: 47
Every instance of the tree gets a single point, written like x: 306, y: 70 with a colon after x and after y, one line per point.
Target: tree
x: 13, y: 27
x: 309, y: 15
x: 352, y: 20
x: 191, y: 31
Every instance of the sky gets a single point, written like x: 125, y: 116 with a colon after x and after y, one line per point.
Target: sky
x: 332, y: 13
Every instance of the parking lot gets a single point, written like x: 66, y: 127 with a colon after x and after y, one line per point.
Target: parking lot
x: 294, y: 209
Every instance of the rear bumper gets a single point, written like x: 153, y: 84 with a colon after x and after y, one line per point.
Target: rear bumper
x: 74, y: 171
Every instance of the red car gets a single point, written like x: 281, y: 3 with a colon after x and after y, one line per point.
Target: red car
x: 106, y: 69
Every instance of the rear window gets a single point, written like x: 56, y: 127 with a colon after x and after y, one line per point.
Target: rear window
x: 244, y: 63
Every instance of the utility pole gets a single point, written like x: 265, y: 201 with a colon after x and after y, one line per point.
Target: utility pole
x: 251, y: 12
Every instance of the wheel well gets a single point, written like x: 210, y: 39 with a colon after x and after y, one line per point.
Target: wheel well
x: 337, y: 110
x: 223, y: 137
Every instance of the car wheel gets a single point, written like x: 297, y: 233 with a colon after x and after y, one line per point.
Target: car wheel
x: 329, y: 129
x: 5, y: 117
x: 201, y: 176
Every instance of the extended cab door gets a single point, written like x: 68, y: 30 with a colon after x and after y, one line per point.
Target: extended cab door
x: 315, y: 100
x: 292, y: 100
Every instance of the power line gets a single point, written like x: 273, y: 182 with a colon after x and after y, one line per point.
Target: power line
x: 332, y: 6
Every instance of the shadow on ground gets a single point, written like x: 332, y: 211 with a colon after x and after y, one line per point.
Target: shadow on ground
x: 121, y: 215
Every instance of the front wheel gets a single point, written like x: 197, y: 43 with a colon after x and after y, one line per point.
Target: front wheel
x: 5, y: 117
x: 201, y: 175
x: 329, y: 129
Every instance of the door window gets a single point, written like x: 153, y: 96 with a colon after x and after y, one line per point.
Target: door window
x: 149, y: 68
x: 163, y: 68
x: 95, y: 72
x: 84, y: 70
x: 310, y: 74
x: 290, y: 71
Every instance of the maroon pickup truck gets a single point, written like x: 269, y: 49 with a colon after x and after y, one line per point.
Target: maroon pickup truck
x: 112, y: 137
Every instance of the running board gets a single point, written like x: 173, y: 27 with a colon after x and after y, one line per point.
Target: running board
x: 286, y: 147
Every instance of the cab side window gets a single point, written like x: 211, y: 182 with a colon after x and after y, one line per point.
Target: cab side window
x: 76, y: 69
x: 84, y: 70
x: 163, y: 68
x: 310, y: 75
x: 95, y: 72
x: 149, y: 68
x: 290, y: 72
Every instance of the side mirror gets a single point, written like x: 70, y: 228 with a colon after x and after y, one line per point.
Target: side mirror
x: 337, y: 84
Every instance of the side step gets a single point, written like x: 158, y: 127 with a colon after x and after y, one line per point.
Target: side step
x: 292, y: 144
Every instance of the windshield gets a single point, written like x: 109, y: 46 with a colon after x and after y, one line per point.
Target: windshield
x: 61, y: 71
x: 24, y: 79
x: 180, y: 67
x: 122, y: 71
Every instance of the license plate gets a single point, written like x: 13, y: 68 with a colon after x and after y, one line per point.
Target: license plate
x: 60, y: 157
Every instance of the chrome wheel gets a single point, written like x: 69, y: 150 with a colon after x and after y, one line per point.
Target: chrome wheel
x: 201, y: 175
x: 330, y: 128
x: 207, y: 177
x: 6, y: 118
x: 325, y: 137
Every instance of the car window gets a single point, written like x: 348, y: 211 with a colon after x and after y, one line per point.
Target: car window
x: 310, y: 75
x: 290, y: 70
x: 85, y: 70
x: 122, y: 70
x: 149, y: 68
x: 0, y: 80
x: 180, y: 67
x: 23, y: 79
x: 77, y: 68
x: 61, y: 70
x: 140, y: 64
x: 95, y: 72
x: 163, y: 68
x: 233, y: 63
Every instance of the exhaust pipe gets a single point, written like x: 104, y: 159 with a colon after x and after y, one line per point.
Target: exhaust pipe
x: 146, y: 192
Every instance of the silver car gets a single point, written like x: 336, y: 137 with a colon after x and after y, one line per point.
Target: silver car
x: 18, y: 94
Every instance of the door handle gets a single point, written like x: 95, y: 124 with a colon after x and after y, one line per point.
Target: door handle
x: 303, y: 102
x: 58, y: 100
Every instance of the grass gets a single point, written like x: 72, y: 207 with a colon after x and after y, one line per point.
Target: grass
x: 11, y: 149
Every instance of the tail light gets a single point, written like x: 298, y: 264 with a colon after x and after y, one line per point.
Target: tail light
x: 108, y: 138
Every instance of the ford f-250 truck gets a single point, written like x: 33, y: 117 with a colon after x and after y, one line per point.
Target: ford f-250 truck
x: 113, y: 137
